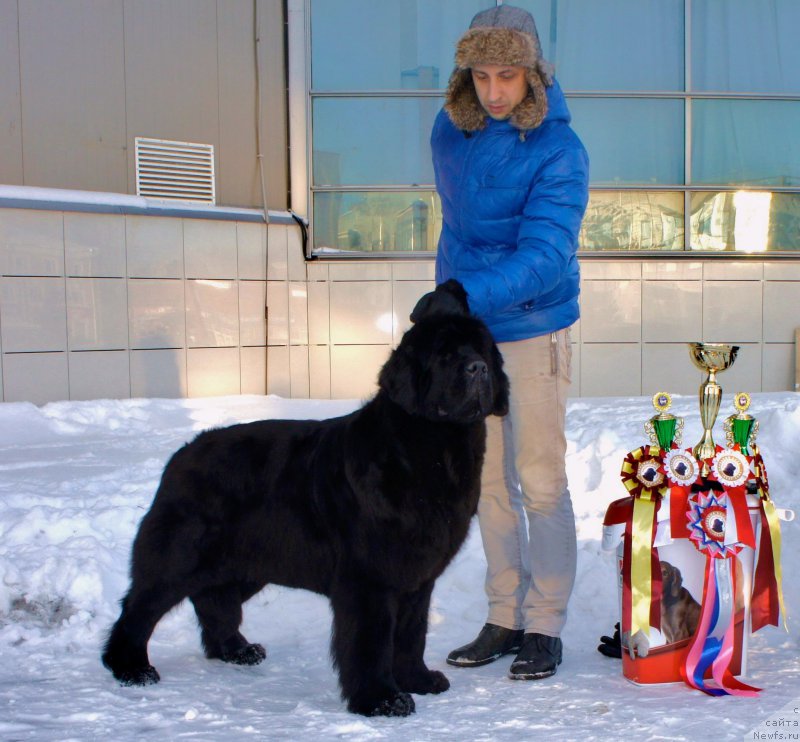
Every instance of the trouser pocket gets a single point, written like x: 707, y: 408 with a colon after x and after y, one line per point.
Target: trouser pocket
x: 561, y: 353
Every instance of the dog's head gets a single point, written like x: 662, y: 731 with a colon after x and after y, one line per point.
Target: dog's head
x: 447, y: 366
x: 671, y: 580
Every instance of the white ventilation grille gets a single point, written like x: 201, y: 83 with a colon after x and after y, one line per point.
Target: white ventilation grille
x: 181, y: 171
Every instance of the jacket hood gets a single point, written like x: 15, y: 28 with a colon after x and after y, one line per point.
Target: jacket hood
x: 503, y: 35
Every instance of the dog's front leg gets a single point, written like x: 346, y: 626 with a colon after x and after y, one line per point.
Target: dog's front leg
x: 364, y: 618
x: 411, y: 629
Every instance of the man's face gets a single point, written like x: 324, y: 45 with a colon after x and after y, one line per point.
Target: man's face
x: 500, y: 88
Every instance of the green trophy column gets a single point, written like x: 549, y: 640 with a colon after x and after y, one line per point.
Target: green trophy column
x: 664, y: 428
x: 742, y: 427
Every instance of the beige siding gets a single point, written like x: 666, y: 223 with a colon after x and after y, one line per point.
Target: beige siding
x: 73, y: 104
x: 274, y: 128
x: 81, y: 79
x: 237, y: 174
x: 10, y: 112
x: 172, y: 88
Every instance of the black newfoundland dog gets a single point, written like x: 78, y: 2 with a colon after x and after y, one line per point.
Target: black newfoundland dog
x: 367, y: 509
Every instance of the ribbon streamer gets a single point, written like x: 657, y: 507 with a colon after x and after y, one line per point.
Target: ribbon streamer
x: 641, y: 564
x: 713, y: 643
x: 769, y: 517
x: 644, y: 477
x: 737, y: 503
x: 679, y: 503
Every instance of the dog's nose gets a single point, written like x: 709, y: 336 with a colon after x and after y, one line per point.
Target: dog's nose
x: 477, y: 368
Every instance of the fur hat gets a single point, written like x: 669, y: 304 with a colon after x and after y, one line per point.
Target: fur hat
x: 503, y: 35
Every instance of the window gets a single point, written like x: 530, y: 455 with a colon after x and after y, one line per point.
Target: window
x: 631, y: 141
x: 688, y: 109
x: 368, y: 144
x: 377, y: 76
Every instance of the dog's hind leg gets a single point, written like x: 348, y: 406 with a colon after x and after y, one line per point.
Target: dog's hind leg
x: 125, y: 652
x: 219, y: 611
x: 363, y: 629
x: 410, y: 671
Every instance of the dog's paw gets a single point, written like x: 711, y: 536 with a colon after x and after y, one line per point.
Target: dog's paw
x: 424, y: 681
x: 401, y: 704
x: 140, y: 676
x: 250, y: 654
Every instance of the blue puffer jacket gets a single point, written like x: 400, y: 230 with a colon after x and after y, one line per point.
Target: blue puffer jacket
x: 512, y: 205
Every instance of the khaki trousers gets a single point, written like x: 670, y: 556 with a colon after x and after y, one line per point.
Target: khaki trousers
x: 525, y: 512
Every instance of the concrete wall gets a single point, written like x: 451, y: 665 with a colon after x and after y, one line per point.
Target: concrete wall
x: 117, y: 305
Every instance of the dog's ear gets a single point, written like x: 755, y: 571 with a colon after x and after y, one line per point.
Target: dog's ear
x: 677, y: 581
x: 448, y: 298
x: 500, y: 384
x: 398, y: 379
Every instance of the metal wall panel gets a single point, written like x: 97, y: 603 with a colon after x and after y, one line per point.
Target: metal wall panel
x: 10, y: 111
x: 237, y: 176
x: 171, y: 85
x: 274, y: 124
x: 73, y: 104
x: 82, y: 78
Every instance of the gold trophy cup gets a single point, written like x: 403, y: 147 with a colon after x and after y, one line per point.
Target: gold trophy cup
x: 713, y: 358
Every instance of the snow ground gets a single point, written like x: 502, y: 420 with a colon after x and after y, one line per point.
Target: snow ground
x: 76, y: 477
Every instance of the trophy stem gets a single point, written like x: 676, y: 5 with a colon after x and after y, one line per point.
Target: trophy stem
x: 706, y: 448
x: 710, y: 399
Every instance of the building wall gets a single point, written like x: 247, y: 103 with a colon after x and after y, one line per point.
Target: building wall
x: 81, y: 79
x: 112, y: 305
x: 637, y: 318
x: 100, y: 300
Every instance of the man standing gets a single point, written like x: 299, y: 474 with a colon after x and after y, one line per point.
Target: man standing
x: 513, y: 182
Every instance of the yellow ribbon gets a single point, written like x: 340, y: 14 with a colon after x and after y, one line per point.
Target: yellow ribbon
x: 641, y: 564
x: 775, y: 539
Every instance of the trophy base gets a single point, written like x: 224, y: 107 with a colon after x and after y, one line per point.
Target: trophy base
x: 703, y: 451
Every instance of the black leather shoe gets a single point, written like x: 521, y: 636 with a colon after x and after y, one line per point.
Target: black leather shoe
x: 538, y: 658
x: 491, y: 644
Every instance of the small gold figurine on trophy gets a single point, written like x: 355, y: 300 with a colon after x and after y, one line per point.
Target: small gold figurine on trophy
x: 713, y: 358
